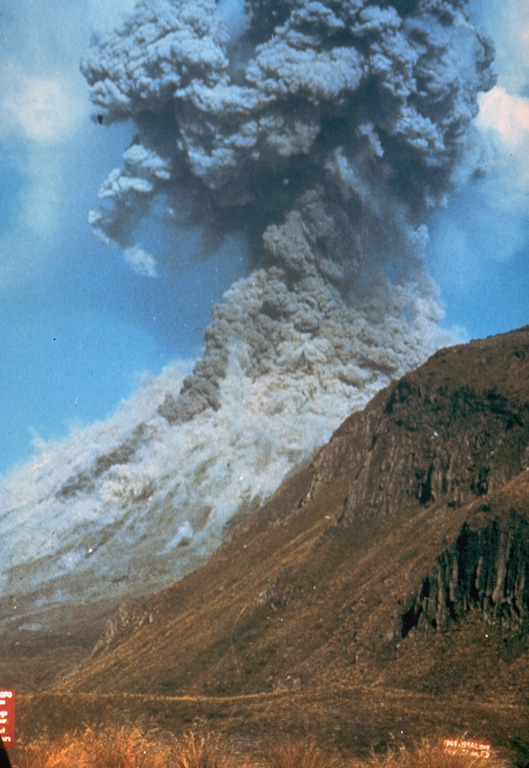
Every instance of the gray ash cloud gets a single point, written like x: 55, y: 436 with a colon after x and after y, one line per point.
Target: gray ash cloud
x: 363, y: 98
x: 325, y: 133
x: 249, y: 115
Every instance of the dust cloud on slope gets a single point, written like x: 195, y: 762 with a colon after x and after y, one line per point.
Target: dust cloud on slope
x: 325, y: 134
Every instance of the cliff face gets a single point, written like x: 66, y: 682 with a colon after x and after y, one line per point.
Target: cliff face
x: 486, y: 571
x: 454, y: 429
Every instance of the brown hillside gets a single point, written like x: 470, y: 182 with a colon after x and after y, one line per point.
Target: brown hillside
x: 398, y: 561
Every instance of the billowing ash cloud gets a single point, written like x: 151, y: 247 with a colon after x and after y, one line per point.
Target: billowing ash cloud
x: 132, y: 503
x: 371, y: 101
x: 325, y: 132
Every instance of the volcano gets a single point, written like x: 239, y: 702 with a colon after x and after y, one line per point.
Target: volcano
x: 389, y: 577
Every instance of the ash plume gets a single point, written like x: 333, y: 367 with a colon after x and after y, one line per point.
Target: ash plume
x: 325, y: 133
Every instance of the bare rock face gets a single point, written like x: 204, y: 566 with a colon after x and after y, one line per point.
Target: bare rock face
x: 130, y: 615
x: 455, y: 429
x: 486, y: 571
x: 449, y: 437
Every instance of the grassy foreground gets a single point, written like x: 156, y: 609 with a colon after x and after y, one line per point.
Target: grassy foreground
x: 135, y: 747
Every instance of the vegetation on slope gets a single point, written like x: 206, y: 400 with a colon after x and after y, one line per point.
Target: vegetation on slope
x: 135, y: 747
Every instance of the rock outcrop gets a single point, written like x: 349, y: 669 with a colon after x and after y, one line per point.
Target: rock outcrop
x: 130, y: 616
x: 486, y: 571
x: 455, y: 429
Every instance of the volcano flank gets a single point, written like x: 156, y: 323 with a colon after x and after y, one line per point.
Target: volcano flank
x: 383, y: 589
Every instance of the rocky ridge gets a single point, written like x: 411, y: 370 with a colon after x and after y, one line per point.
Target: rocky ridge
x: 451, y: 430
x: 413, y: 519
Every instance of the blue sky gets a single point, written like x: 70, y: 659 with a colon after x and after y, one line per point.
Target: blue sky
x: 79, y: 326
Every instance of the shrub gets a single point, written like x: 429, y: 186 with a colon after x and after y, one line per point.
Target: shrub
x: 124, y: 747
x: 135, y: 747
x: 298, y: 754
x: 198, y: 750
x: 46, y: 753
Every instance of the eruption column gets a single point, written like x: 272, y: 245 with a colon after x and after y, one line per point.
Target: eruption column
x: 326, y: 133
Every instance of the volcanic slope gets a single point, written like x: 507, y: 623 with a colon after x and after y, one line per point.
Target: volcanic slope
x: 397, y: 561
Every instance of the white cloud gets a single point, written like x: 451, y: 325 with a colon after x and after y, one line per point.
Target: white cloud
x: 45, y: 110
x: 44, y: 117
x: 27, y: 235
x: 497, y: 206
x: 507, y: 114
x: 44, y: 200
x: 513, y: 36
x: 141, y: 262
